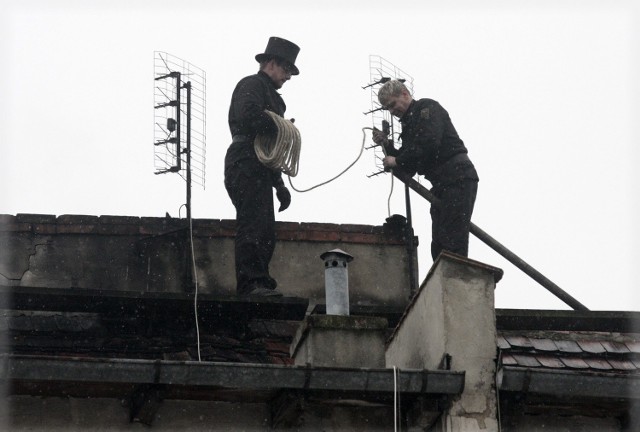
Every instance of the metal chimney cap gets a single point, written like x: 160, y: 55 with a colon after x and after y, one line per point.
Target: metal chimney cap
x: 339, y: 252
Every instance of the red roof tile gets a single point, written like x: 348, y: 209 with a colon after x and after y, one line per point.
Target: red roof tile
x: 526, y: 360
x: 594, y: 347
x: 519, y: 341
x: 508, y: 360
x: 598, y: 364
x: 502, y: 343
x: 568, y: 346
x: 634, y: 346
x: 615, y: 347
x: 544, y: 344
x: 583, y: 351
x: 623, y: 364
x: 574, y: 363
x: 550, y: 361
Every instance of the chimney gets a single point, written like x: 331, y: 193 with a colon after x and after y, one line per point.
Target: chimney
x: 450, y: 324
x: 336, y: 281
x: 337, y: 339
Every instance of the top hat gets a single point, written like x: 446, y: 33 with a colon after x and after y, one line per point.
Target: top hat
x: 281, y: 49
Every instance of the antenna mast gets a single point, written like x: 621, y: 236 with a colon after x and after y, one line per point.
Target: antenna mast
x: 179, y: 120
x: 180, y: 128
x: 380, y: 72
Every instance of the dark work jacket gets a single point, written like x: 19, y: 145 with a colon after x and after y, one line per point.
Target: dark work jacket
x: 431, y: 146
x: 252, y: 95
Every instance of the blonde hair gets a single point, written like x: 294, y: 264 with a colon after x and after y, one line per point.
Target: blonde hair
x: 389, y: 89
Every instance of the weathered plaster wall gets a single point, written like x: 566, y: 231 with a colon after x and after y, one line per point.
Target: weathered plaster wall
x: 451, y: 324
x: 107, y: 414
x: 559, y: 423
x: 151, y: 254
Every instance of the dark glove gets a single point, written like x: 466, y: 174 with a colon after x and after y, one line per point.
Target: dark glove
x: 284, y: 196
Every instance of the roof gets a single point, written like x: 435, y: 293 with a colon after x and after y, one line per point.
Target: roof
x: 569, y: 354
x: 98, y: 346
x: 581, y: 351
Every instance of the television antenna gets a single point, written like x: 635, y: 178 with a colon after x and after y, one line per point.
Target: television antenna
x: 179, y: 120
x: 381, y: 71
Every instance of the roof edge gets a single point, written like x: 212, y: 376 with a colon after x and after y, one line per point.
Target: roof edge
x: 229, y: 375
x: 568, y: 320
x: 570, y: 384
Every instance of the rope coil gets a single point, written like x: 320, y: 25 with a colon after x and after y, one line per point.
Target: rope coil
x: 281, y: 152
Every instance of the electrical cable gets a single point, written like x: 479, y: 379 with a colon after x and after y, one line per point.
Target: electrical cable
x: 395, y: 392
x: 497, y: 384
x: 195, y: 280
x: 396, y: 398
x: 283, y: 153
x: 364, y: 136
x: 389, y: 199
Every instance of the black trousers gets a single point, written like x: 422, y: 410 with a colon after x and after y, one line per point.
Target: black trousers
x: 451, y: 220
x: 250, y: 187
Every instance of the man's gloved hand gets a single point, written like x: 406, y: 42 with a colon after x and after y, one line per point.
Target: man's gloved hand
x: 284, y: 196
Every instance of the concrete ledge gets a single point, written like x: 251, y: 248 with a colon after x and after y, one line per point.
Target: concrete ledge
x: 141, y: 304
x: 230, y: 376
x: 568, y: 320
x: 336, y: 340
x: 132, y: 225
x: 568, y: 384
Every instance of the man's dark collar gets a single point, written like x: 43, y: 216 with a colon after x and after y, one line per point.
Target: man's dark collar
x: 408, y: 113
x: 266, y: 77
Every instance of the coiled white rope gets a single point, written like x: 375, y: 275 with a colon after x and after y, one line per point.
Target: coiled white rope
x: 283, y: 151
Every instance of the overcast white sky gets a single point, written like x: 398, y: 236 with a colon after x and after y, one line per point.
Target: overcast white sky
x: 545, y: 96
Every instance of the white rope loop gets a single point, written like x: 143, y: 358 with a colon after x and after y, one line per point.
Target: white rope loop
x: 282, y: 152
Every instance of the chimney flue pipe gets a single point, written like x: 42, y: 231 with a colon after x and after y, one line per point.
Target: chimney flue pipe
x: 336, y: 281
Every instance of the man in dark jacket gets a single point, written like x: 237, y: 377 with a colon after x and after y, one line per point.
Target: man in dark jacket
x: 248, y: 182
x: 431, y: 147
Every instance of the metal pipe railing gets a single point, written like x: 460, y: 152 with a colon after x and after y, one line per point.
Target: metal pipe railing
x: 498, y: 247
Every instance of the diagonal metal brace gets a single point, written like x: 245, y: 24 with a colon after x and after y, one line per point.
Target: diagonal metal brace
x: 497, y: 246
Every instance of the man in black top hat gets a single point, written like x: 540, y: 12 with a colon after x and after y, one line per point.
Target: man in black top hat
x: 248, y: 182
x: 431, y: 147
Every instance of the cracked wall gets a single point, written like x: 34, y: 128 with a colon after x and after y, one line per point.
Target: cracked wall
x: 152, y: 254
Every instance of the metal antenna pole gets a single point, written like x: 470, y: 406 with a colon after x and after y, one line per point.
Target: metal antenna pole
x: 188, y: 149
x: 411, y: 251
x: 189, y: 254
x: 178, y: 123
x: 189, y: 143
